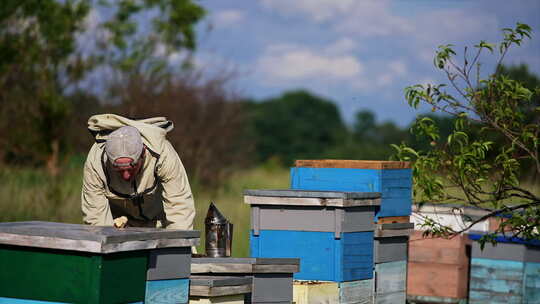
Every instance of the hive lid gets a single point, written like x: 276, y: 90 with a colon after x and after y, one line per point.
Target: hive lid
x: 352, y: 164
x: 245, y: 265
x: 216, y: 281
x: 313, y: 194
x: 311, y: 198
x: 96, y: 239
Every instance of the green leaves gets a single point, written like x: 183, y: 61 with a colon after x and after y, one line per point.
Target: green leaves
x: 494, y: 135
x: 444, y: 54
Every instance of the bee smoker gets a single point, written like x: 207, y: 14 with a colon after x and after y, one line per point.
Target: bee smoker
x: 219, y: 233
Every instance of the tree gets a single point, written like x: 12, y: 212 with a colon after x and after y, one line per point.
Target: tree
x: 43, y: 55
x: 295, y: 125
x: 472, y: 170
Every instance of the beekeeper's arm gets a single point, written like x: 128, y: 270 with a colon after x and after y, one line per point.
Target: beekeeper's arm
x: 177, y: 197
x: 94, y: 204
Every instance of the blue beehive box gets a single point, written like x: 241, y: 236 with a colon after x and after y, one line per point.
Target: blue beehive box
x: 391, y: 178
x: 331, y: 232
x: 508, y: 272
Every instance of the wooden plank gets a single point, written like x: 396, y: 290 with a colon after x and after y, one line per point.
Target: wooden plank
x: 391, y: 298
x: 70, y: 276
x: 531, y: 282
x: 169, y: 263
x: 393, y: 219
x: 417, y: 240
x: 497, y: 269
x: 253, y: 261
x: 26, y: 301
x: 221, y: 268
x: 390, y: 249
x: 208, y: 291
x: 322, y: 219
x: 430, y: 300
x: 92, y: 246
x: 232, y: 299
x: 437, y: 280
x: 218, y: 281
x: 486, y: 297
x: 295, y: 201
x: 379, y: 233
x: 356, y: 292
x: 395, y: 226
x: 355, y: 164
x: 102, y: 234
x: 244, y: 265
x: 501, y: 251
x: 276, y: 268
x: 322, y: 256
x: 315, y: 292
x: 532, y: 254
x: 313, y: 194
x: 167, y: 291
x: 272, y: 288
x: 396, y: 198
x: 496, y: 281
x: 390, y: 277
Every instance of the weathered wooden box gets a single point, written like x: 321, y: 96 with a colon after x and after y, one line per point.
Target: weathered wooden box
x: 218, y: 289
x: 438, y: 269
x: 508, y: 272
x: 390, y: 282
x: 391, y: 242
x: 331, y: 232
x: 272, y: 278
x: 354, y: 292
x: 392, y: 179
x: 69, y: 263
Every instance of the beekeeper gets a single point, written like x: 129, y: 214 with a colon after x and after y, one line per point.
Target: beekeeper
x: 133, y: 177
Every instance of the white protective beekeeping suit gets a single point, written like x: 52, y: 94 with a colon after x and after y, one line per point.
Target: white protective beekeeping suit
x: 160, y: 195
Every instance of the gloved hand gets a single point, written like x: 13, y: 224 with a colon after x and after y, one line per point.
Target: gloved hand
x: 120, y: 222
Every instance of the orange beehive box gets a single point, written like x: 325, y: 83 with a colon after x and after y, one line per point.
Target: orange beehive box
x: 438, y: 268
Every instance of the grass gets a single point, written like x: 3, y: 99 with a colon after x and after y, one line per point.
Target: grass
x: 30, y: 195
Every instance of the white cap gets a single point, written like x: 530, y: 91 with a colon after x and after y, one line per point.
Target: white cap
x: 124, y: 142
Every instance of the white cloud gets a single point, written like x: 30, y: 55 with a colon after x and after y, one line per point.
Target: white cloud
x: 364, y: 18
x: 318, y: 10
x: 303, y: 64
x: 344, y: 45
x: 228, y: 17
x: 397, y: 67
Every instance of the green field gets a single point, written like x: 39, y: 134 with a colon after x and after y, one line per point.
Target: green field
x: 28, y: 195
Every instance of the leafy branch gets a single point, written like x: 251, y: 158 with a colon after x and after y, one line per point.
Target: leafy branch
x: 480, y: 162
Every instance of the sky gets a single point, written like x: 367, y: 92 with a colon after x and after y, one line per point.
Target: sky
x: 359, y: 54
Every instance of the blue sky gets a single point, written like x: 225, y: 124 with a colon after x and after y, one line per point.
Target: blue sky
x: 359, y: 54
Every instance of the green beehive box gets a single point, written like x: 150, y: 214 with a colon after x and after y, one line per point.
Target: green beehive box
x: 71, y: 263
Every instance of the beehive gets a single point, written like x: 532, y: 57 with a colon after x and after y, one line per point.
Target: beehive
x: 438, y: 269
x: 207, y: 289
x: 354, y: 292
x: 390, y: 178
x: 89, y: 264
x: 271, y: 278
x: 507, y: 272
x: 331, y: 232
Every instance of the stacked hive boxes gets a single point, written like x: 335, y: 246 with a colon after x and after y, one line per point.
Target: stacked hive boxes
x: 394, y: 181
x: 508, y: 272
x: 218, y: 289
x: 270, y: 279
x: 331, y: 232
x: 68, y: 263
x: 438, y: 269
x: 339, y: 242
